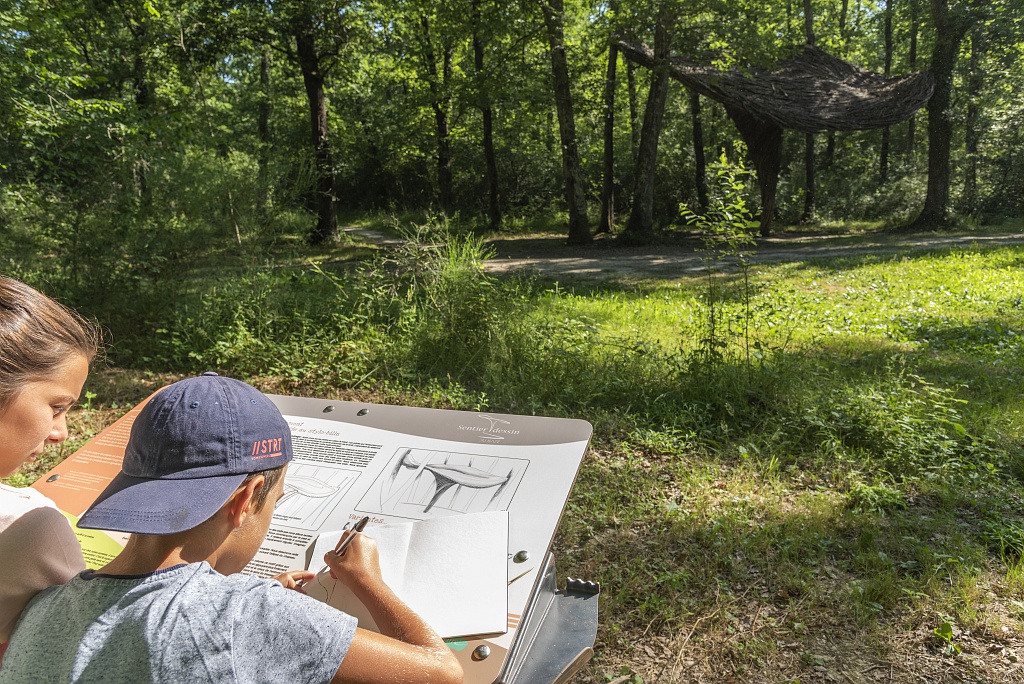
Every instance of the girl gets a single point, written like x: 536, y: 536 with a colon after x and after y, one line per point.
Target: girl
x: 45, y: 351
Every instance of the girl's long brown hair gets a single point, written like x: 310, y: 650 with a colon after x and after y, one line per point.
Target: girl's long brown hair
x: 37, y: 335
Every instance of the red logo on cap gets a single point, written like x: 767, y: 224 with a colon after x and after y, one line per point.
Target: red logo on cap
x: 266, y: 448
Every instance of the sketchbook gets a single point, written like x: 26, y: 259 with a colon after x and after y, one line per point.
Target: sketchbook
x: 451, y: 570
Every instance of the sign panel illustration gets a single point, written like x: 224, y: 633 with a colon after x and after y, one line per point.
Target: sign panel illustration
x: 424, y: 483
x: 311, y: 492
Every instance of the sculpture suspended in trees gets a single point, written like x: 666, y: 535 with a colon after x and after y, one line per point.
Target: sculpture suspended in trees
x: 812, y: 91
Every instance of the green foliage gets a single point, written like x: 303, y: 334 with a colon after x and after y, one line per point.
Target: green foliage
x: 877, y: 498
x: 446, y: 316
x: 945, y: 633
x: 1004, y: 537
x: 725, y: 229
x: 105, y: 110
x: 907, y: 427
x: 725, y: 225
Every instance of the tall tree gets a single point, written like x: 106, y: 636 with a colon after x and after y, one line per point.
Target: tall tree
x: 312, y: 34
x: 951, y: 25
x: 607, y: 221
x: 263, y: 123
x: 575, y: 197
x: 700, y: 163
x: 640, y: 227
x: 972, y: 127
x: 439, y: 82
x: 309, y: 60
x: 883, y: 156
x: 912, y: 65
x: 810, y: 194
x: 634, y: 110
x: 484, y: 104
x: 137, y: 18
x: 830, y: 139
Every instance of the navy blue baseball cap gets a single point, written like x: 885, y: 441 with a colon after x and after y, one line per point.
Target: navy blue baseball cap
x: 190, y: 449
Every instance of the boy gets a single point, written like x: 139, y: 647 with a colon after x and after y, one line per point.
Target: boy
x: 202, y: 470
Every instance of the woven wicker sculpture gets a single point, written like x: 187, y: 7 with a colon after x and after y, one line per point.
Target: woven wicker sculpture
x: 811, y: 91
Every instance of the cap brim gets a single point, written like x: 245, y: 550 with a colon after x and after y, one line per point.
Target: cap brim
x: 158, y: 506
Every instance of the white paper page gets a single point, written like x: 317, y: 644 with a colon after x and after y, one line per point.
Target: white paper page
x: 451, y: 570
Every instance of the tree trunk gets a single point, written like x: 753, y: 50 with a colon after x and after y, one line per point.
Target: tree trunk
x: 640, y: 227
x: 326, y: 229
x: 440, y: 103
x: 490, y: 160
x: 579, y: 228
x: 883, y: 157
x: 698, y: 152
x: 810, y: 196
x: 141, y: 86
x: 607, y: 222
x: 808, y: 23
x: 830, y: 142
x: 634, y: 110
x: 143, y: 95
x: 912, y: 63
x: 973, y: 124
x: 263, y: 125
x: 950, y: 29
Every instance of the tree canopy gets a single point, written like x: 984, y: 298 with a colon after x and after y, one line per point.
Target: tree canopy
x: 132, y: 121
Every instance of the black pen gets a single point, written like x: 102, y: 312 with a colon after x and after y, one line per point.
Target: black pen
x: 360, y: 526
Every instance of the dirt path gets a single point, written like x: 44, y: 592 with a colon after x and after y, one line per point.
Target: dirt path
x: 606, y: 260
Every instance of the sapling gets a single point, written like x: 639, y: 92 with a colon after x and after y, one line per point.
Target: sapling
x: 725, y: 232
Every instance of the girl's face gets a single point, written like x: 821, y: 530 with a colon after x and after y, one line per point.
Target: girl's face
x: 38, y: 414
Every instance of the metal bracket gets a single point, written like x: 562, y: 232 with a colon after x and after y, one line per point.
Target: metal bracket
x: 582, y: 587
x: 557, y: 637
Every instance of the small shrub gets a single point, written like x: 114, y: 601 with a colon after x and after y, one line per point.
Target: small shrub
x: 725, y: 231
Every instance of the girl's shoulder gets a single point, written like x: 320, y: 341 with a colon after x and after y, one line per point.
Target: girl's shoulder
x: 17, y: 501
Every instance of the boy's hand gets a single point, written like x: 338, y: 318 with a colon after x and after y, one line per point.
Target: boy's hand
x: 359, y: 565
x: 295, y: 579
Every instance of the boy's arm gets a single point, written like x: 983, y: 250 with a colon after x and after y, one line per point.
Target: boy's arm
x: 408, y: 650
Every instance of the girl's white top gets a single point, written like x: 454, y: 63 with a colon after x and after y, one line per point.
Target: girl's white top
x: 37, y: 549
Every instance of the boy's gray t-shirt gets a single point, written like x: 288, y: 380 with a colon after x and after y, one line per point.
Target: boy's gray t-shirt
x: 184, y: 624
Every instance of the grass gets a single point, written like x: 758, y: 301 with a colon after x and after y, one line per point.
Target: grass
x: 821, y: 499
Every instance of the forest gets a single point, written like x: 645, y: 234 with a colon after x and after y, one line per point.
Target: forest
x: 237, y: 119
x: 808, y: 451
